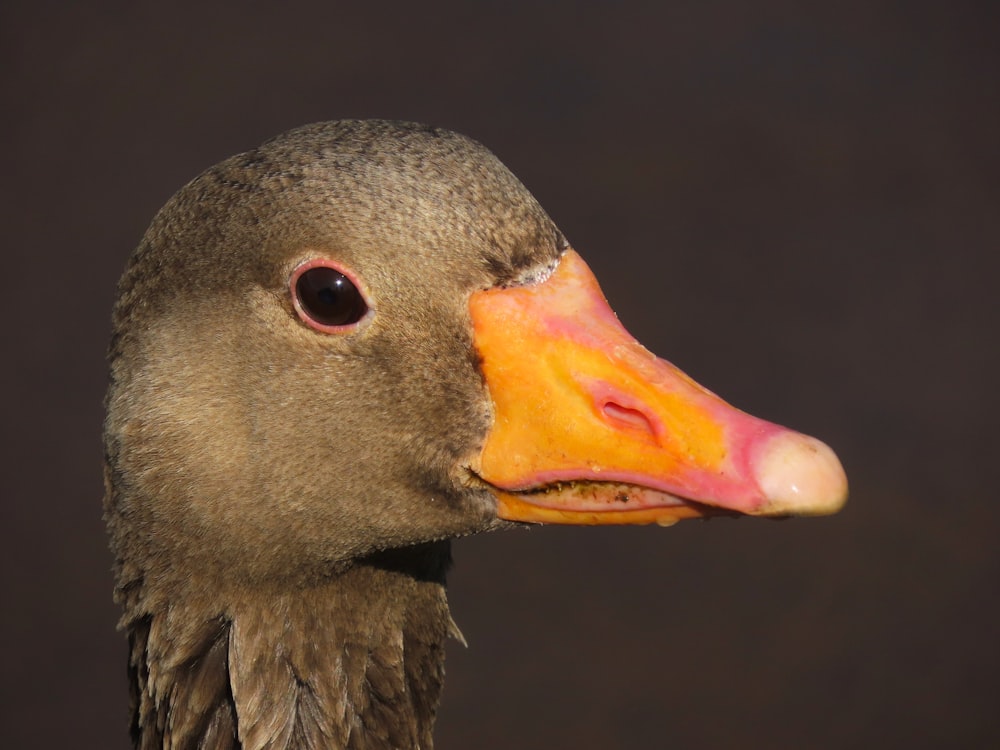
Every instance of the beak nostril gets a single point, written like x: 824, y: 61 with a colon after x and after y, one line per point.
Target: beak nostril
x: 624, y: 415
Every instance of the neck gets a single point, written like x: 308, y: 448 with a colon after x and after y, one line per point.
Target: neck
x: 354, y: 661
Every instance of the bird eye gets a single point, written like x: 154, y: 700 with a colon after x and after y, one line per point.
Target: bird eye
x: 325, y: 297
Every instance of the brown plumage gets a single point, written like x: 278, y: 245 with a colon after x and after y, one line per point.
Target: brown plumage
x: 280, y: 496
x: 266, y: 485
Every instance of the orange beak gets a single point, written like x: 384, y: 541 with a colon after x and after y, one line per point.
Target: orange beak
x: 591, y: 428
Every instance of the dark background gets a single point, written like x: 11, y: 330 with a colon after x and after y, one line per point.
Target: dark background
x: 797, y: 203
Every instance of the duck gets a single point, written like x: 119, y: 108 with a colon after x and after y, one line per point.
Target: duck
x: 331, y: 355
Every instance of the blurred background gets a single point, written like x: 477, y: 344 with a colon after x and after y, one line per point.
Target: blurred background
x: 797, y: 203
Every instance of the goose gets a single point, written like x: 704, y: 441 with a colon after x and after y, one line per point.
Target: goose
x: 334, y: 353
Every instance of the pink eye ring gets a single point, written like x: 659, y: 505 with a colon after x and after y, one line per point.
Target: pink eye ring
x: 326, y: 297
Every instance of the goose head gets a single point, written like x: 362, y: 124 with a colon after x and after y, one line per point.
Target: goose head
x: 368, y: 336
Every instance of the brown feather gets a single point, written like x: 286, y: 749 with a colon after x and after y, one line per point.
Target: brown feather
x: 275, y: 497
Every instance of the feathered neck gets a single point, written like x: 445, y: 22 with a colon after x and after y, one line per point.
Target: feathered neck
x: 354, y: 661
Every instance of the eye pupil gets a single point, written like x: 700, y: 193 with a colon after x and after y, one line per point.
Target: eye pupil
x: 328, y: 297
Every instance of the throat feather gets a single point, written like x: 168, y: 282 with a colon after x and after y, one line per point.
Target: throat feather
x: 356, y: 662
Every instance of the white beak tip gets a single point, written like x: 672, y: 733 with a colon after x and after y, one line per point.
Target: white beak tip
x: 801, y: 476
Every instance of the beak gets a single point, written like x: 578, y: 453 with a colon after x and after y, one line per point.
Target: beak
x: 591, y: 428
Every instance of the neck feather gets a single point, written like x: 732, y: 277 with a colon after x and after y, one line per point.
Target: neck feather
x: 356, y: 661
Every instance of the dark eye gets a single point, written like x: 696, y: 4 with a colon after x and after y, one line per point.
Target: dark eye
x: 325, y: 297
